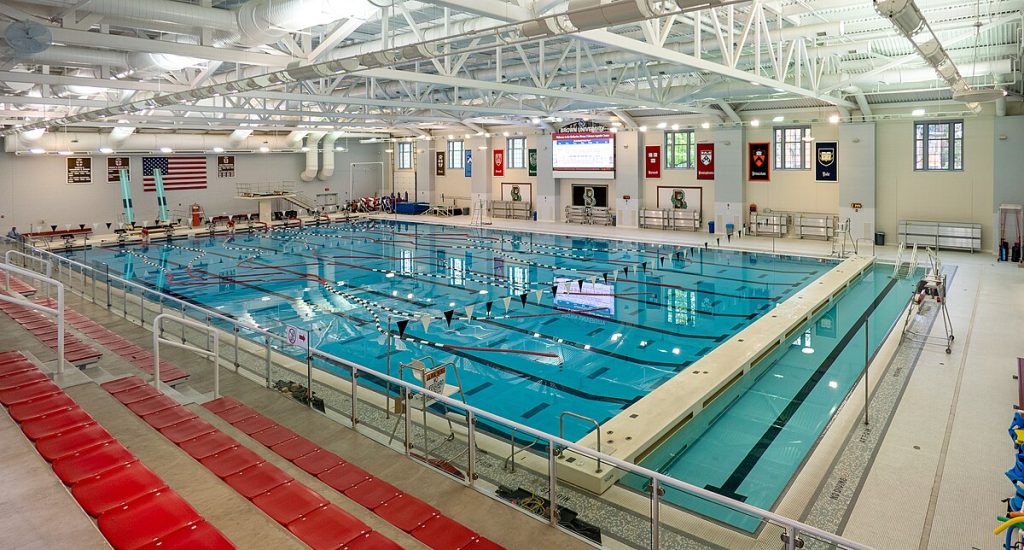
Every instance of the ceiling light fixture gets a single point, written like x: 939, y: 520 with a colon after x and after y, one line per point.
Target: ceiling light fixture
x: 37, y: 150
x: 834, y: 119
x: 662, y: 125
x: 218, y: 149
x: 705, y: 125
x: 106, y: 150
x: 166, y: 150
x: 642, y: 128
x: 779, y: 118
x: 755, y: 123
x: 917, y: 112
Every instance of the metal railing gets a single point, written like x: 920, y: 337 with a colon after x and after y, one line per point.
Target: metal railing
x: 7, y: 268
x: 213, y: 353
x: 597, y: 428
x: 792, y: 528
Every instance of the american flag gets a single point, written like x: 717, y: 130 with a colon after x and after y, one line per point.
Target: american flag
x: 178, y: 172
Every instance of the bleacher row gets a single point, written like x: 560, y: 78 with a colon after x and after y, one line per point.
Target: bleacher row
x: 133, y: 507
x: 44, y: 328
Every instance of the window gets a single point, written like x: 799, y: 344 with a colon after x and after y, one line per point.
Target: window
x: 939, y: 145
x: 515, y: 152
x: 792, y: 151
x: 679, y: 149
x: 456, y: 158
x: 404, y: 157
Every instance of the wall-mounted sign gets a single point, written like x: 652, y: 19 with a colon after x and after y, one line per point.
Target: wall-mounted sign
x: 114, y: 167
x: 531, y: 159
x: 225, y: 166
x: 439, y: 163
x: 652, y: 154
x: 79, y: 170
x: 705, y: 161
x: 758, y: 165
x: 499, y: 162
x: 583, y: 126
x: 468, y: 165
x: 826, y: 161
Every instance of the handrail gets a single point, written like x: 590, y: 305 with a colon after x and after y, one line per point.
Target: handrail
x: 48, y: 263
x: 792, y: 526
x: 214, y: 354
x: 899, y: 258
x: 597, y: 426
x: 59, y: 312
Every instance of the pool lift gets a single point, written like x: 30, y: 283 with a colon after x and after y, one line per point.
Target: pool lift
x: 931, y: 287
x: 845, y: 245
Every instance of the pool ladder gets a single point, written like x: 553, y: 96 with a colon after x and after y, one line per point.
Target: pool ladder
x: 597, y: 428
x: 903, y: 270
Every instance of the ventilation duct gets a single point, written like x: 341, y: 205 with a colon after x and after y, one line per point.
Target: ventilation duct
x: 239, y: 135
x: 327, y: 167
x: 312, y: 143
x: 267, y: 21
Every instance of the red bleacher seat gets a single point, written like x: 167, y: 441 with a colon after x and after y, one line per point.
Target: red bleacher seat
x: 236, y: 414
x: 344, y: 476
x: 371, y: 541
x: 231, y: 461
x: 481, y: 543
x: 96, y: 460
x: 289, y: 501
x: 152, y: 405
x: 406, y: 512
x: 10, y: 355
x: 186, y: 430
x: 59, y: 445
x: 318, y: 461
x: 28, y: 393
x: 257, y: 479
x: 274, y: 435
x: 294, y: 448
x: 138, y: 393
x: 208, y: 445
x: 221, y: 404
x: 17, y: 380
x: 146, y: 519
x: 198, y: 535
x: 54, y: 423
x: 442, y: 532
x: 106, y: 491
x: 38, y: 407
x: 17, y: 366
x: 122, y: 384
x: 168, y: 417
x: 328, y: 527
x: 254, y: 424
x: 372, y: 492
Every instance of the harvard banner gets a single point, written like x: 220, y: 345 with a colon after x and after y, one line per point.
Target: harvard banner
x: 653, y: 155
x: 531, y: 157
x: 468, y: 164
x: 79, y: 170
x: 758, y: 162
x: 705, y: 161
x: 114, y: 167
x: 826, y: 161
x: 499, y: 162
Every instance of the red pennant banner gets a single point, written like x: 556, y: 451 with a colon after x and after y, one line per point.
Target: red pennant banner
x: 499, y: 162
x: 705, y: 161
x: 653, y: 155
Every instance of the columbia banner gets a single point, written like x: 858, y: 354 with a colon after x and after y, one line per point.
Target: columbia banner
x: 653, y: 155
x: 705, y: 161
x: 826, y: 161
x: 758, y: 162
x: 531, y: 157
x: 499, y: 162
x: 440, y: 165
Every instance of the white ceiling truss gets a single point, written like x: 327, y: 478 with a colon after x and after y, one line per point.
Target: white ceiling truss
x: 459, y: 62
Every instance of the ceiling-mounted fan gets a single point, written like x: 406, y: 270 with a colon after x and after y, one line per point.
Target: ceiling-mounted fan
x: 27, y: 37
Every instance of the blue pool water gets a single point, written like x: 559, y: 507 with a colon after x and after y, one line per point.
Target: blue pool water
x: 618, y: 337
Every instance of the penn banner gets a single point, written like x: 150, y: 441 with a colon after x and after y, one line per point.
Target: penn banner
x: 499, y: 162
x: 758, y: 164
x: 531, y: 157
x: 439, y: 164
x: 114, y: 167
x: 705, y: 161
x: 468, y: 165
x: 652, y: 154
x: 826, y: 161
x: 79, y: 170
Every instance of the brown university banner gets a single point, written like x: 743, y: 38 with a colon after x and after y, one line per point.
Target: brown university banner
x: 439, y: 163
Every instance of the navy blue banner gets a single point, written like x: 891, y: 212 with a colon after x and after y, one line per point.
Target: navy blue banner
x: 826, y: 161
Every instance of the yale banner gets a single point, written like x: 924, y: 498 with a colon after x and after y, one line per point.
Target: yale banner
x: 705, y: 161
x: 758, y: 165
x: 826, y: 161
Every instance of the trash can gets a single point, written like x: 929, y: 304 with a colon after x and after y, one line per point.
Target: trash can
x: 711, y: 227
x: 879, y: 238
x: 729, y: 228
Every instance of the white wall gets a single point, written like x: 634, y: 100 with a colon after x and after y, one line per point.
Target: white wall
x: 33, y: 188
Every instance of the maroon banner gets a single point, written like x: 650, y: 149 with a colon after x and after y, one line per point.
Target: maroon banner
x: 653, y: 155
x: 758, y: 162
x: 705, y: 161
x: 499, y: 162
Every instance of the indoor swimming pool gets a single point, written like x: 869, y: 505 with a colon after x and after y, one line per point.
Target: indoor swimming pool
x: 539, y: 324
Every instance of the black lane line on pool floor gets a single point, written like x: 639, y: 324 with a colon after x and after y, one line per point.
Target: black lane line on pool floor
x: 740, y: 473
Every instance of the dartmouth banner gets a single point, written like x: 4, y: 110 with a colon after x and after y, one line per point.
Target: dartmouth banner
x: 531, y: 158
x: 826, y: 161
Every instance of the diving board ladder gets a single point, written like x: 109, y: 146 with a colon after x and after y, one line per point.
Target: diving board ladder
x: 126, y: 198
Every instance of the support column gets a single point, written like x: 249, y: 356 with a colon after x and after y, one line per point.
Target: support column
x: 856, y: 158
x: 480, y: 179
x: 730, y: 179
x: 547, y: 197
x: 629, y: 177
x: 425, y: 170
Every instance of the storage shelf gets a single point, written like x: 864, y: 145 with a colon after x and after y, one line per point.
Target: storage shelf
x: 683, y: 220
x: 514, y: 210
x: 949, y: 235
x: 773, y: 225
x: 590, y: 215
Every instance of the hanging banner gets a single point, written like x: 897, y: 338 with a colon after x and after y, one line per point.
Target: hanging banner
x: 531, y: 157
x: 757, y: 162
x: 653, y: 155
x: 439, y: 163
x: 826, y: 161
x: 226, y: 167
x: 114, y: 167
x: 79, y: 170
x: 499, y: 162
x: 705, y: 161
x: 468, y: 165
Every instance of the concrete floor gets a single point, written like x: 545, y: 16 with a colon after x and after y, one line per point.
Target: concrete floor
x: 936, y: 481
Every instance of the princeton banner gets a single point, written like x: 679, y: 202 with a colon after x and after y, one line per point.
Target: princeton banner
x: 653, y: 155
x: 705, y: 161
x: 826, y: 161
x: 439, y: 163
x: 531, y: 157
x: 758, y: 165
x: 114, y: 167
x: 499, y: 162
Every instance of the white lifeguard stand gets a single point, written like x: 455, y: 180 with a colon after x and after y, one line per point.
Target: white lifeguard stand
x: 432, y: 378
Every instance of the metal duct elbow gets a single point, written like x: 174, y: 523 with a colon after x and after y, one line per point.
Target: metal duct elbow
x: 267, y: 21
x: 312, y: 146
x: 327, y: 166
